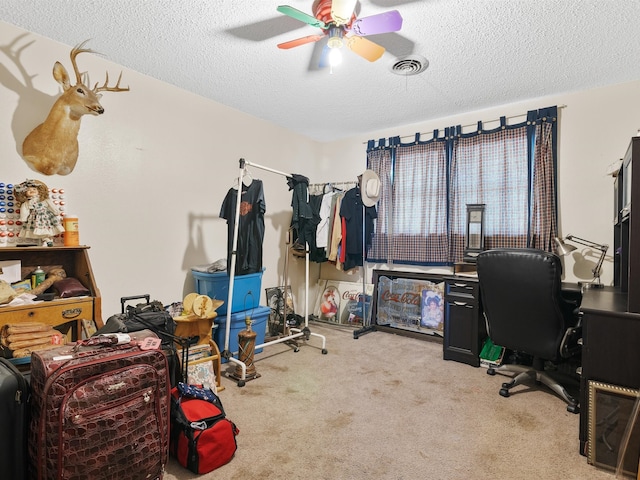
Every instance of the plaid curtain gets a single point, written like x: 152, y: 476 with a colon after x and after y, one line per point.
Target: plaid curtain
x: 544, y: 220
x: 490, y: 167
x: 379, y: 159
x: 427, y: 186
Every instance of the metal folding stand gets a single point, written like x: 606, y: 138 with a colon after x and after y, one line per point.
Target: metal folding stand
x: 296, y: 332
x: 367, y: 324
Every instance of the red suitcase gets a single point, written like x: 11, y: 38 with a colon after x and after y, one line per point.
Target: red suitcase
x: 99, y: 413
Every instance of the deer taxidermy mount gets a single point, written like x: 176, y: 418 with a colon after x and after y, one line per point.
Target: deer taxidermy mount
x: 52, y: 147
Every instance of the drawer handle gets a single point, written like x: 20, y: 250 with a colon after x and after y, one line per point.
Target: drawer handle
x: 461, y: 304
x: 461, y: 285
x: 71, y: 313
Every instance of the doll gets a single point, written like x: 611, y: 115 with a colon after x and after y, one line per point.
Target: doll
x: 39, y: 215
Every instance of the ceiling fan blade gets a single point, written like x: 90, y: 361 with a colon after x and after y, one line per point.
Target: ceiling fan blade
x: 386, y: 22
x: 365, y: 48
x: 303, y: 17
x: 300, y: 41
x: 342, y: 11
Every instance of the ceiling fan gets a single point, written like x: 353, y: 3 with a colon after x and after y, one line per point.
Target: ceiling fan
x: 339, y: 24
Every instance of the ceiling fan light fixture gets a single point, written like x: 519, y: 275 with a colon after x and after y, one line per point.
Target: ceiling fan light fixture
x: 335, y: 57
x: 335, y: 37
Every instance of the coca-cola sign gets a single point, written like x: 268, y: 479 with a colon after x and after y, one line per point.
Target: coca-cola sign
x: 401, y: 297
x: 402, y: 303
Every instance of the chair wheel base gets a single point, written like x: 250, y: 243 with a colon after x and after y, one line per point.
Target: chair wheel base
x: 504, y: 392
x: 491, y: 371
x: 573, y: 408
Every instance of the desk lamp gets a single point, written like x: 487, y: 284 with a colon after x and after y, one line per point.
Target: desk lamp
x: 564, y: 249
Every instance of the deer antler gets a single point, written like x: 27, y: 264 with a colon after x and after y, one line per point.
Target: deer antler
x: 77, y: 50
x: 104, y: 87
x: 80, y: 49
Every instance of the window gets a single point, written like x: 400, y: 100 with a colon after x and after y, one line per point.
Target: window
x: 426, y: 186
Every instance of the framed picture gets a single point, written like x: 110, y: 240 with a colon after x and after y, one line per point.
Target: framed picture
x: 279, y: 299
x: 343, y: 303
x: 203, y: 372
x: 204, y: 365
x: 409, y: 301
x: 614, y: 427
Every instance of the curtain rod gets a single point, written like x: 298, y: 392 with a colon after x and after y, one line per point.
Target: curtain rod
x: 472, y: 124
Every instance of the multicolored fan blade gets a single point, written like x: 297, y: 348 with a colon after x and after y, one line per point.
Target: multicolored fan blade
x: 365, y: 48
x: 342, y: 11
x: 303, y: 17
x: 300, y: 41
x: 386, y: 22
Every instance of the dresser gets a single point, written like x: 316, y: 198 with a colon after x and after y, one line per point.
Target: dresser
x: 65, y: 313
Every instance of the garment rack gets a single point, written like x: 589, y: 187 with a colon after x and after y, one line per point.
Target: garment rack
x: 296, y: 332
x: 313, y: 187
x: 367, y: 325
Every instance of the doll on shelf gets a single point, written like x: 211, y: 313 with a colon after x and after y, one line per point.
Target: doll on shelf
x: 40, y: 217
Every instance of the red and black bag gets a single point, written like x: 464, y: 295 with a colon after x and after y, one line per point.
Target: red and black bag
x: 202, y: 438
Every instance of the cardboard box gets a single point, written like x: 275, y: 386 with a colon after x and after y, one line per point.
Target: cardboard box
x: 11, y: 270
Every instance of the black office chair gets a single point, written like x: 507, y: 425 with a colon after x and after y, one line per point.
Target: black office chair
x: 526, y: 313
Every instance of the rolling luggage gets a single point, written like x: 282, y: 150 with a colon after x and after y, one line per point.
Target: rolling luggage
x: 14, y: 411
x: 100, y: 412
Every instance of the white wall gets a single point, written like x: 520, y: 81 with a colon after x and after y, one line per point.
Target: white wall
x: 595, y: 129
x: 154, y: 169
x: 152, y: 172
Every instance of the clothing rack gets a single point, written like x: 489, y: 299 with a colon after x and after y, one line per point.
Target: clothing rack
x: 367, y: 325
x: 318, y: 188
x: 296, y: 332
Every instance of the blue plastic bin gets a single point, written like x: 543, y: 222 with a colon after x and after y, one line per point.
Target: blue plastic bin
x: 246, y: 289
x: 259, y: 316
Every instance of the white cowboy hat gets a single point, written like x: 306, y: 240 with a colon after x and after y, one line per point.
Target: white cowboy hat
x: 370, y: 188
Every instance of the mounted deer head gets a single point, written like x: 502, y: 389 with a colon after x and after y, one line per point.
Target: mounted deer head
x: 52, y: 147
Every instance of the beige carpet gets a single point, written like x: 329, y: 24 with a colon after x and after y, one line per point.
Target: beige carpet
x: 386, y: 406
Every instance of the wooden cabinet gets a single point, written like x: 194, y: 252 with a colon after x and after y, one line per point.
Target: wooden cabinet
x: 464, y: 326
x: 58, y: 312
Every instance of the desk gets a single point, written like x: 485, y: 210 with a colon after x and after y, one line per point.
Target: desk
x: 465, y: 328
x: 611, y: 347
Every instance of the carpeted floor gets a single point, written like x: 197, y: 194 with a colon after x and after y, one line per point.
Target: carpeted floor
x: 386, y: 406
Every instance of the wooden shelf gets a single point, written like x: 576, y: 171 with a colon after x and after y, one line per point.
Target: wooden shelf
x: 75, y: 262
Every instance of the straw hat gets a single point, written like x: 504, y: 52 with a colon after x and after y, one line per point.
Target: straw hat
x: 370, y: 188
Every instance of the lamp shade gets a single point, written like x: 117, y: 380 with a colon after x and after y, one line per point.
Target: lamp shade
x: 563, y: 248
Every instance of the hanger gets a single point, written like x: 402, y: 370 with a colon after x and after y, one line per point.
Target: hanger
x: 247, y: 179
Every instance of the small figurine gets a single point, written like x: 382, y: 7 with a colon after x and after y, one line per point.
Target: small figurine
x: 39, y: 215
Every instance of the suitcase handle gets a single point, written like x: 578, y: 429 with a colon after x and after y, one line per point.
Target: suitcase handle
x: 124, y: 300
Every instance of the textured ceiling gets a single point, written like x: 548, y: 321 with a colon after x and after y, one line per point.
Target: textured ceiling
x: 481, y: 53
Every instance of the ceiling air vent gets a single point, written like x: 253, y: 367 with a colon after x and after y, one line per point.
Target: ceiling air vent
x: 409, y: 65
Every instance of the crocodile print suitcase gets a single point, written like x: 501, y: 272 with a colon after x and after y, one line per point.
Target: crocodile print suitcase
x: 99, y: 412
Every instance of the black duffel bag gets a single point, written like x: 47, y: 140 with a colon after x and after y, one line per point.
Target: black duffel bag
x: 150, y: 316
